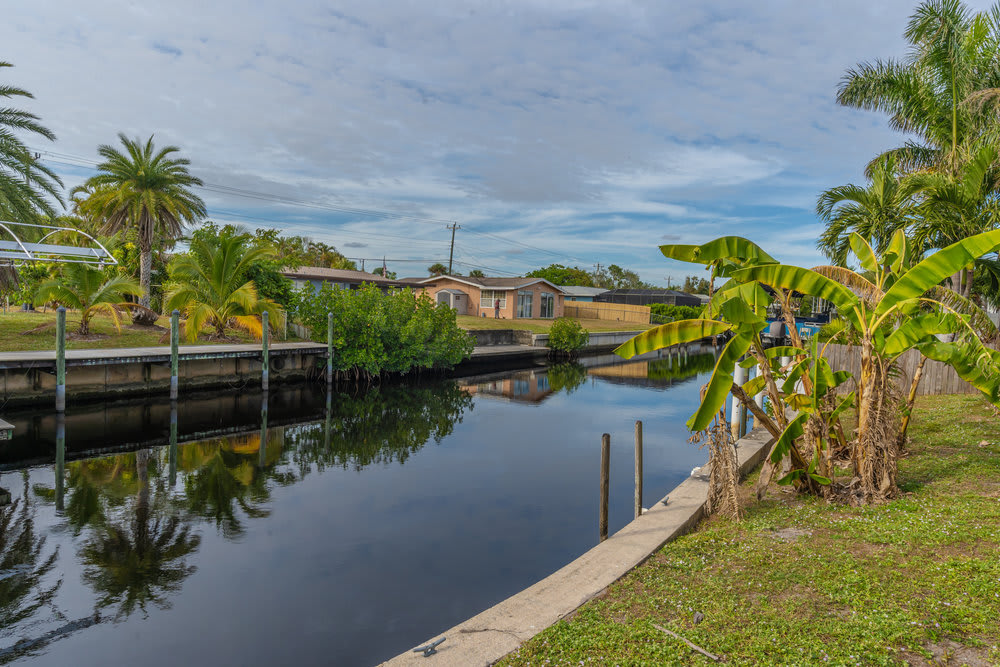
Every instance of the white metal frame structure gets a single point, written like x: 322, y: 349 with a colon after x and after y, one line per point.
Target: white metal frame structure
x: 38, y: 251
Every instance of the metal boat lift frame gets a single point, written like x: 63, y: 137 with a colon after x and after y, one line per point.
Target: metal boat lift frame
x: 19, y: 250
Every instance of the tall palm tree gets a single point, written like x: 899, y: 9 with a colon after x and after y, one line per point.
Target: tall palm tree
x: 875, y: 211
x: 957, y: 205
x: 931, y: 92
x: 146, y: 190
x: 90, y: 291
x: 24, y: 183
x: 210, y: 286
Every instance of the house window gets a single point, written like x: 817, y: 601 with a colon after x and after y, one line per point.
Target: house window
x: 488, y: 297
x: 548, y: 305
x: 524, y: 299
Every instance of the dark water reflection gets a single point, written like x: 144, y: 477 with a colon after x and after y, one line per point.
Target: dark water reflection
x: 314, y: 528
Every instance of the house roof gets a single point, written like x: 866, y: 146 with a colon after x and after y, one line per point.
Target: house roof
x: 494, y: 283
x: 575, y: 290
x: 344, y: 276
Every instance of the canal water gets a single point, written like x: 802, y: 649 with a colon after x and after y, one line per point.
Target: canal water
x: 334, y: 529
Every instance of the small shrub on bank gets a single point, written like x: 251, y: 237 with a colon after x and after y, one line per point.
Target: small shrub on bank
x: 567, y: 336
x: 376, y: 332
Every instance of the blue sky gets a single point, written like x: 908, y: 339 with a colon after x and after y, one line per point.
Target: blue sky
x: 593, y: 130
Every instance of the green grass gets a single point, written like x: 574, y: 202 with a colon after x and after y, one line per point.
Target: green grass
x: 543, y: 326
x: 914, y: 581
x: 102, y: 333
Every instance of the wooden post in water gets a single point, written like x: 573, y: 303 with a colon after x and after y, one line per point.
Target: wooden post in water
x: 638, y: 469
x: 60, y: 458
x: 602, y: 522
x: 175, y: 331
x: 262, y: 450
x: 264, y: 335
x: 61, y: 359
x: 173, y: 442
x: 329, y: 348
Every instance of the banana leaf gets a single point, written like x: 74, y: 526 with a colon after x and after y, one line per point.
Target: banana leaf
x: 720, y: 384
x: 672, y: 333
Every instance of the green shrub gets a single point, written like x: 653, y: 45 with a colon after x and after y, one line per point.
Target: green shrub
x: 376, y: 332
x: 662, y: 313
x: 567, y: 336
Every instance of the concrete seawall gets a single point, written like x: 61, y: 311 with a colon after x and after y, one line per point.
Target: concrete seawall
x: 501, y: 629
x: 28, y: 377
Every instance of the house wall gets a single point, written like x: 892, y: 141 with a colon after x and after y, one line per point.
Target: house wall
x: 507, y: 311
x: 588, y: 299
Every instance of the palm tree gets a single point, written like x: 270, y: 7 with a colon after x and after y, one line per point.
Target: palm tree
x: 933, y: 91
x: 875, y: 212
x: 90, y: 291
x: 437, y: 269
x: 956, y: 206
x: 210, y: 286
x: 23, y: 182
x: 145, y: 190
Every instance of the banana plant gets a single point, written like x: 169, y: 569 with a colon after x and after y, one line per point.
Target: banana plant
x: 889, y: 325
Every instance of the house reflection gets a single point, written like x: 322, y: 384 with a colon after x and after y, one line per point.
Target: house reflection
x: 525, y: 387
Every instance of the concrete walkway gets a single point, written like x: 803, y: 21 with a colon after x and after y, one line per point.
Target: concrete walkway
x: 128, y: 355
x: 489, y: 636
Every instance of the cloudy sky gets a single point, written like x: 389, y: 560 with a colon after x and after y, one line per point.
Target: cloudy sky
x: 571, y: 132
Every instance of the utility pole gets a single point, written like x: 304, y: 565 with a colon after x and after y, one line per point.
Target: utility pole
x: 451, y: 251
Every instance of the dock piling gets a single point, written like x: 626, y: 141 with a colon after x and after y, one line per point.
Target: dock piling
x: 638, y: 469
x: 262, y: 450
x: 175, y: 329
x: 739, y: 412
x: 60, y: 459
x: 602, y: 523
x: 329, y: 347
x: 264, y: 334
x: 61, y: 359
x: 173, y: 442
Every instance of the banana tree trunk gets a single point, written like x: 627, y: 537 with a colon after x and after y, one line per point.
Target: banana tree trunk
x: 874, y: 455
x: 910, y: 400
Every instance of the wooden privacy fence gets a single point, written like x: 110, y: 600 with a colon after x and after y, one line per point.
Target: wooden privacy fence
x: 614, y: 312
x: 938, y: 378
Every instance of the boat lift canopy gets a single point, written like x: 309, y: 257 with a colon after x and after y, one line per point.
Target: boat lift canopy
x: 16, y: 249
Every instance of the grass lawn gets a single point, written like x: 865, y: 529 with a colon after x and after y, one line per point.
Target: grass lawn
x: 542, y: 326
x: 804, y: 582
x: 102, y: 333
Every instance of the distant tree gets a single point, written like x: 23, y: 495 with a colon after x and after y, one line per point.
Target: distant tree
x: 557, y: 274
x: 142, y: 189
x: 24, y: 183
x: 379, y: 271
x: 695, y: 285
x: 615, y: 277
x: 299, y: 251
x: 437, y: 269
x: 476, y: 273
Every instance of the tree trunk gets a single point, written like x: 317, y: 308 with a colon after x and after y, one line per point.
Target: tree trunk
x: 910, y: 400
x: 145, y: 275
x: 874, y: 455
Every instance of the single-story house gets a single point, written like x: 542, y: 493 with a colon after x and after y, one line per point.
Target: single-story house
x: 646, y: 297
x: 518, y: 297
x: 575, y: 293
x: 342, y: 278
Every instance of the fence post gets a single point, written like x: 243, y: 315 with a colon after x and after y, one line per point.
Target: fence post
x: 602, y: 522
x: 61, y: 359
x: 329, y: 348
x: 638, y: 469
x: 175, y: 330
x: 264, y: 350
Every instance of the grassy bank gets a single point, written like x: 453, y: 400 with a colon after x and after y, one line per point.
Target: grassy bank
x: 800, y: 581
x: 543, y: 326
x: 14, y: 336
